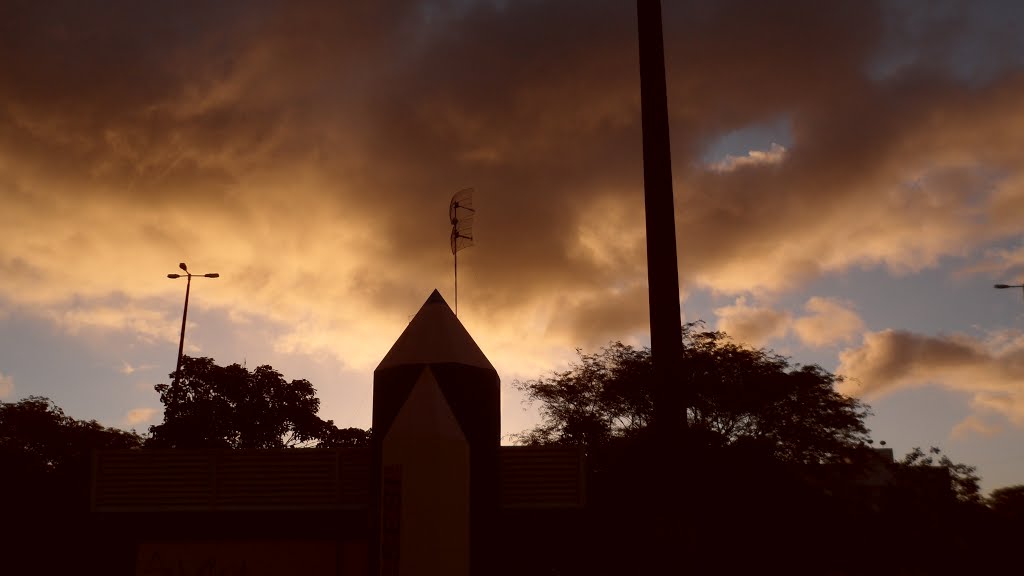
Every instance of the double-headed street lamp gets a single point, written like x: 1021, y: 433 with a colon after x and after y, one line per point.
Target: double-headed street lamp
x: 1004, y: 286
x: 184, y: 315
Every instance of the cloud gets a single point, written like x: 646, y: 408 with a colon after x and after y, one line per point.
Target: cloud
x: 825, y: 321
x: 774, y: 155
x: 306, y: 151
x: 148, y: 324
x: 973, y: 424
x: 990, y: 370
x: 6, y: 386
x: 137, y: 416
x: 753, y: 325
x: 127, y: 369
x: 999, y: 260
x: 828, y: 322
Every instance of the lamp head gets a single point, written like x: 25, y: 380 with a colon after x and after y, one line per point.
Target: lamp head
x: 172, y: 276
x: 183, y: 267
x: 212, y: 275
x: 1001, y: 286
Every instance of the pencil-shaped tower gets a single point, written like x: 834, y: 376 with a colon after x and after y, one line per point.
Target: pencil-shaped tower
x: 436, y: 432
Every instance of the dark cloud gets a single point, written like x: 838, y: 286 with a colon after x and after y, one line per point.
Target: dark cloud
x: 895, y: 356
x: 330, y: 135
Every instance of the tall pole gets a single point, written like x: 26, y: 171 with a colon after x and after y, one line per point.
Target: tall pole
x: 181, y: 341
x: 671, y: 542
x: 659, y: 208
x: 184, y: 314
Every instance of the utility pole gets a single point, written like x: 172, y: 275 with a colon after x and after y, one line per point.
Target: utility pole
x: 659, y: 207
x: 666, y: 508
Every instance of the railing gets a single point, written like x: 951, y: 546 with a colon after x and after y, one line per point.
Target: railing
x: 183, y: 480
x: 303, y: 479
x: 541, y: 477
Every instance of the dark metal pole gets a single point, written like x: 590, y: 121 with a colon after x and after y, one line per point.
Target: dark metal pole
x: 662, y: 266
x: 184, y: 315
x: 670, y: 539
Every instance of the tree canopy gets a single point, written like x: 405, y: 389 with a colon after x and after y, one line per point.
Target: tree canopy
x: 37, y: 434
x: 769, y: 443
x: 1008, y: 501
x: 211, y: 406
x: 740, y: 397
x: 47, y: 453
x: 963, y: 478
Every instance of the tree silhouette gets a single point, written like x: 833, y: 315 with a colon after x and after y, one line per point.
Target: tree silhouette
x: 775, y: 463
x: 1008, y: 502
x: 760, y: 434
x: 964, y: 479
x: 741, y: 397
x: 334, y: 437
x: 45, y: 463
x: 45, y: 455
x: 211, y: 406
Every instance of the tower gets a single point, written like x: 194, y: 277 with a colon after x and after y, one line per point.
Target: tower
x: 436, y: 432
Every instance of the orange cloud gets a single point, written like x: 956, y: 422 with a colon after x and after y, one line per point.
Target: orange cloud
x: 991, y: 370
x: 6, y: 386
x: 137, y: 416
x: 306, y: 151
x: 973, y: 424
x: 828, y: 322
x: 773, y: 155
x: 825, y: 321
x: 753, y: 325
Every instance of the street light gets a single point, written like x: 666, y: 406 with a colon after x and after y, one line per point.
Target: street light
x: 184, y: 315
x: 1004, y: 286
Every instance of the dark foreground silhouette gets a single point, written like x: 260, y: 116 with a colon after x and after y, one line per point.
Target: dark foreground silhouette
x: 778, y: 478
x: 744, y: 515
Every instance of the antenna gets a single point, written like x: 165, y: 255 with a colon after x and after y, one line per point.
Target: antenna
x: 460, y: 213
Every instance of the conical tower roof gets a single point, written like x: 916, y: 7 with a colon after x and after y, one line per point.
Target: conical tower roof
x: 435, y: 336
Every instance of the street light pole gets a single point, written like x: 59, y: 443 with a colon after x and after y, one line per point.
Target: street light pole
x: 184, y: 314
x: 1004, y: 286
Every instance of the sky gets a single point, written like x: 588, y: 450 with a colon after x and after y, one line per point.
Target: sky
x: 848, y: 176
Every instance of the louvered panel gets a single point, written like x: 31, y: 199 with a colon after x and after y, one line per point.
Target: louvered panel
x: 541, y: 477
x: 355, y: 478
x: 180, y: 480
x: 286, y: 479
x: 156, y: 480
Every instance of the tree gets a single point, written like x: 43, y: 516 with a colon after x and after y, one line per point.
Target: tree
x: 335, y: 437
x: 964, y: 479
x: 759, y: 427
x: 211, y: 406
x: 45, y: 464
x: 37, y: 434
x: 741, y: 397
x: 1008, y: 502
x: 46, y: 455
x: 592, y: 402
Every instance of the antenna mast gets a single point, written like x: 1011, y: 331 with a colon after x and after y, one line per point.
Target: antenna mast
x: 460, y: 214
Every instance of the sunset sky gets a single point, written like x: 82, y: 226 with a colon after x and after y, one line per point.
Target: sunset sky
x: 849, y: 181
